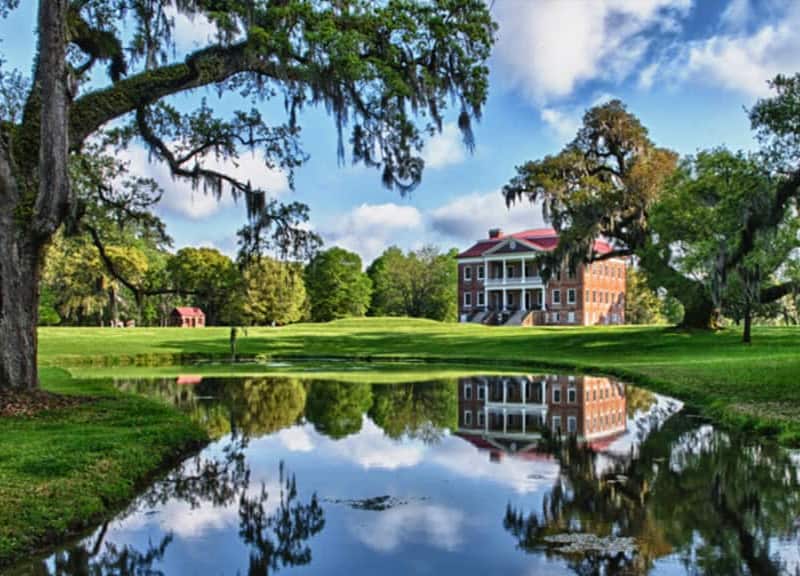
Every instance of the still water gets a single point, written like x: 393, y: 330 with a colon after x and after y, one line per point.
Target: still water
x: 524, y: 474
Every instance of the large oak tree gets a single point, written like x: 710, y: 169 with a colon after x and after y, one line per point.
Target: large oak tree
x: 374, y: 66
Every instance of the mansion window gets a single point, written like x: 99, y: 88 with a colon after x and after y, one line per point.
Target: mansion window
x: 468, y: 417
x: 556, y: 296
x: 587, y: 297
x: 467, y: 273
x: 468, y: 392
x: 481, y: 297
x: 480, y: 272
x: 571, y: 296
x: 481, y: 392
x: 572, y: 424
x: 467, y: 299
x: 556, y: 395
x: 556, y: 424
x: 571, y: 317
x: 572, y: 395
x: 481, y: 418
x: 594, y: 295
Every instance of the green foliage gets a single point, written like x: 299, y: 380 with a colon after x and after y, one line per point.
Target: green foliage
x: 642, y: 304
x: 421, y: 284
x: 261, y: 406
x: 48, y: 316
x: 417, y: 409
x: 336, y: 409
x: 273, y: 293
x: 210, y: 279
x: 336, y: 285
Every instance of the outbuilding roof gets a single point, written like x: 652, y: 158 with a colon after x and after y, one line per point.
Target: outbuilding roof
x: 545, y: 239
x: 188, y: 311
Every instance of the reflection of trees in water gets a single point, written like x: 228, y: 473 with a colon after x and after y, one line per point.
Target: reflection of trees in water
x: 280, y: 538
x: 694, y: 491
x: 638, y: 400
x: 336, y: 409
x: 262, y: 406
x: 419, y: 409
x: 276, y: 538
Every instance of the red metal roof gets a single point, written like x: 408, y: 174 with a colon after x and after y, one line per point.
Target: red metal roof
x: 545, y: 239
x: 189, y: 311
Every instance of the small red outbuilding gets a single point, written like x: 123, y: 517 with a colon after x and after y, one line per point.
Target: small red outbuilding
x: 187, y: 317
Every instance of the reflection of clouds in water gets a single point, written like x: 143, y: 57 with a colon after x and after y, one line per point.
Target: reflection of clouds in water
x: 413, y: 523
x: 296, y: 439
x: 189, y: 523
x: 371, y: 448
x: 523, y: 476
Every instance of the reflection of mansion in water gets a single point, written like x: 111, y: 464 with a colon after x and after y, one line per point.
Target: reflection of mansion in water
x: 511, y: 409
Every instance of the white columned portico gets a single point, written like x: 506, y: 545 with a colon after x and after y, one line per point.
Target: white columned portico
x: 523, y: 421
x: 544, y: 392
x: 522, y: 390
x: 505, y: 298
x: 505, y: 421
x: 544, y: 297
x: 505, y: 391
x: 485, y: 419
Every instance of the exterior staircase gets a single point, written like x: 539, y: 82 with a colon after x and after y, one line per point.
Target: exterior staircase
x: 517, y: 318
x: 480, y: 317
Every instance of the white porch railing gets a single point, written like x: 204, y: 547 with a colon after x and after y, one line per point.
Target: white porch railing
x: 514, y: 281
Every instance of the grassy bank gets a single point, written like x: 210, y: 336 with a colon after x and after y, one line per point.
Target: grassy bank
x: 749, y: 386
x: 62, y: 470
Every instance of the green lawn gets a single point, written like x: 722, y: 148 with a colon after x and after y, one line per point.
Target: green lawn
x: 750, y: 386
x: 61, y: 470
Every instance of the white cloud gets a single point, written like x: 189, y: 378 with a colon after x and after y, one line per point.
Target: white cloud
x: 296, y: 439
x: 192, y: 32
x: 563, y: 124
x: 736, y: 13
x: 740, y: 58
x: 180, y: 198
x: 469, y: 217
x: 428, y: 524
x: 371, y: 448
x: 744, y: 63
x: 445, y: 148
x: 546, y: 48
x: 367, y: 229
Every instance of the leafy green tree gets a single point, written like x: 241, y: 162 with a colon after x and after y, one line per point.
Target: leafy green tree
x: 48, y: 315
x: 642, y: 304
x: 391, y: 280
x: 209, y: 277
x: 702, y: 211
x: 374, y: 66
x: 434, y: 284
x: 605, y: 183
x: 336, y: 409
x: 274, y: 292
x: 420, y: 284
x: 336, y: 285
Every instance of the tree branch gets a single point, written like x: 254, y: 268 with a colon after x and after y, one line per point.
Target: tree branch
x: 202, y: 68
x: 773, y: 293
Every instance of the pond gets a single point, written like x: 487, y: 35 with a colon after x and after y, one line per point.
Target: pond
x: 512, y: 474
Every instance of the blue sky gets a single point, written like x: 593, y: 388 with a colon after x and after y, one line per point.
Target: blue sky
x: 687, y: 68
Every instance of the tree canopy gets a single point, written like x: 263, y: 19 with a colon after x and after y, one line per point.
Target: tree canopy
x: 337, y: 287
x: 387, y: 72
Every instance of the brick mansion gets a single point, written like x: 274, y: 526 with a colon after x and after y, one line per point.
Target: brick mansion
x: 499, y: 283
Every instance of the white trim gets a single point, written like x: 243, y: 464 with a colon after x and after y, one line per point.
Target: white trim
x: 467, y: 417
x: 507, y: 241
x: 553, y: 293
x: 467, y: 273
x: 467, y: 296
x: 574, y: 298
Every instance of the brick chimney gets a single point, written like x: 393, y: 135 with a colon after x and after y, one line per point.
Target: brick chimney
x: 495, y: 233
